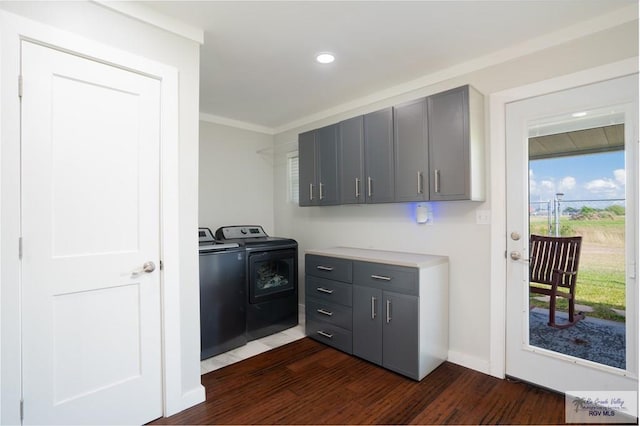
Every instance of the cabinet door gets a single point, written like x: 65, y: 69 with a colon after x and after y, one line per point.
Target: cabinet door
x: 411, y: 149
x: 327, y: 166
x: 351, y: 161
x: 400, y: 333
x: 448, y: 116
x: 367, y: 323
x: 307, y: 169
x: 378, y: 151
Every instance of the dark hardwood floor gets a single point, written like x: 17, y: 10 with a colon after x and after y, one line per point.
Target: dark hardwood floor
x: 306, y: 382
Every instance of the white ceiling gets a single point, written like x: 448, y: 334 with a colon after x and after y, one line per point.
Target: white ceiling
x: 257, y: 61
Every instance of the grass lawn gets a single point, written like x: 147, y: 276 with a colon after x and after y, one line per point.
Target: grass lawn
x: 601, y: 273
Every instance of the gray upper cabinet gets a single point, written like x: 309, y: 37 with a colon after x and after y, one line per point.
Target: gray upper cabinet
x: 307, y: 169
x: 351, y: 161
x: 429, y: 149
x: 318, y: 168
x: 327, y: 151
x: 456, y: 145
x: 378, y: 143
x: 410, y: 142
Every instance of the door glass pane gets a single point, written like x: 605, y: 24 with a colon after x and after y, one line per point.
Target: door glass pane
x: 577, y: 182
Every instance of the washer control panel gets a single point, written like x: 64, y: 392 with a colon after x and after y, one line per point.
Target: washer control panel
x: 245, y: 231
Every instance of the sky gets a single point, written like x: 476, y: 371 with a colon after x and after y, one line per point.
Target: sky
x: 584, y: 177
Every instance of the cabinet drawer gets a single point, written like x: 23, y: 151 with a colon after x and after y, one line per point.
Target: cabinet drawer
x: 330, y: 335
x: 328, y: 290
x: 329, y: 267
x: 329, y: 312
x: 400, y: 279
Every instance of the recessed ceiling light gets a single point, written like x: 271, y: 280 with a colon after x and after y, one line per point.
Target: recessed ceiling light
x: 579, y: 114
x: 325, y: 58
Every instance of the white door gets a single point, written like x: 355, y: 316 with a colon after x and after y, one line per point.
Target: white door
x: 524, y: 359
x: 91, y: 325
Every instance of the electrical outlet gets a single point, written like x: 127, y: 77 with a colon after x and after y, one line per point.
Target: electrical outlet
x: 483, y: 217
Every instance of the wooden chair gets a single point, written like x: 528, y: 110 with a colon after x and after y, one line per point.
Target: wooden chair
x: 553, y: 262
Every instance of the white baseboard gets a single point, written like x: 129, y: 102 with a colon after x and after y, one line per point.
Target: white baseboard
x: 189, y: 399
x: 469, y: 361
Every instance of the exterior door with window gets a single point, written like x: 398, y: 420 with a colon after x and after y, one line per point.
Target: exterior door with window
x: 567, y: 131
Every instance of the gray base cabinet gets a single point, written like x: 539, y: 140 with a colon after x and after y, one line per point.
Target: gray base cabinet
x: 399, y: 309
x: 328, y: 300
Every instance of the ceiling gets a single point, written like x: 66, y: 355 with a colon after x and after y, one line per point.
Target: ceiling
x: 257, y: 61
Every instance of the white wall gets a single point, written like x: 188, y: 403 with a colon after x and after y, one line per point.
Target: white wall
x: 105, y: 26
x: 236, y: 177
x: 455, y: 232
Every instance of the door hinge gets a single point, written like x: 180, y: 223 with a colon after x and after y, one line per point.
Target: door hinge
x: 21, y: 409
x: 20, y: 86
x: 161, y: 265
x: 20, y: 248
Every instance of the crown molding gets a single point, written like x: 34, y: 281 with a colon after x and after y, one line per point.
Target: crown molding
x: 210, y: 118
x: 150, y: 16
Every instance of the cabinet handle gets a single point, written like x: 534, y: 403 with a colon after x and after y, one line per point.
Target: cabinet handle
x: 380, y: 277
x: 357, y: 187
x: 327, y: 335
x: 388, y: 311
x: 324, y: 290
x: 373, y: 307
x: 310, y: 192
x: 419, y: 183
x: 436, y: 180
x: 369, y: 186
x: 321, y: 190
x: 323, y: 312
x: 325, y: 268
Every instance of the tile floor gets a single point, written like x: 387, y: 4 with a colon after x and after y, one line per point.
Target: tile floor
x: 254, y: 347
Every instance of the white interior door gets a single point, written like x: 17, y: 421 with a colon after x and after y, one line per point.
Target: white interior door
x: 91, y: 325
x: 523, y: 359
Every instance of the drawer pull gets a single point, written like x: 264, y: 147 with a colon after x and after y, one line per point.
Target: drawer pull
x: 325, y: 268
x: 323, y: 312
x: 327, y: 335
x: 324, y: 290
x: 388, y: 311
x: 381, y: 277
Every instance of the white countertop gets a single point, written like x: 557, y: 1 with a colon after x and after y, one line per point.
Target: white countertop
x: 414, y: 260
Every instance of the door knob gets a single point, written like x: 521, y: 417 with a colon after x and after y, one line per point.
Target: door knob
x: 515, y: 255
x: 148, y: 267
